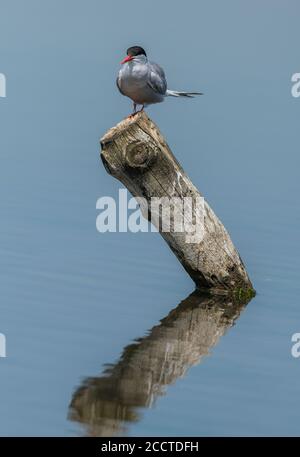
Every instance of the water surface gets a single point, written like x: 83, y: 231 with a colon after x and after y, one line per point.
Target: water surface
x: 73, y: 301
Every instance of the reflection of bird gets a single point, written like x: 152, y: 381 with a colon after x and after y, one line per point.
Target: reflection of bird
x: 144, y: 81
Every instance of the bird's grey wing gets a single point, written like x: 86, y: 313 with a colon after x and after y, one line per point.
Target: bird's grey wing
x: 157, y: 79
x: 119, y: 85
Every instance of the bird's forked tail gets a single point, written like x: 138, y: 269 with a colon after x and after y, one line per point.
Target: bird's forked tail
x: 175, y: 93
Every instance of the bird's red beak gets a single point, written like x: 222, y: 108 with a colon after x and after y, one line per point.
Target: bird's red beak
x: 127, y: 59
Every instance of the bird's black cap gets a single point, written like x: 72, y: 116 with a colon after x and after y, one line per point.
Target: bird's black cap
x: 136, y: 51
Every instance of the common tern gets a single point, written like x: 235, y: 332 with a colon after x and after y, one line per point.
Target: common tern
x: 144, y: 81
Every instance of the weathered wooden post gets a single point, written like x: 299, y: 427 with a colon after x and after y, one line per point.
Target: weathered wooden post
x: 135, y: 152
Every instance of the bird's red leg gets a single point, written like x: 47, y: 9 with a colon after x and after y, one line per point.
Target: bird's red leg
x: 134, y: 111
x: 142, y: 109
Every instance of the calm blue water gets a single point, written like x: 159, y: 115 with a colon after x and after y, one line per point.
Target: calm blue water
x: 72, y: 299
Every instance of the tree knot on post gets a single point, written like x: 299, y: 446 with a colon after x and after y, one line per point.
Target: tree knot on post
x: 140, y: 155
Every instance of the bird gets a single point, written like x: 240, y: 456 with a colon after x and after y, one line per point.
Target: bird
x: 144, y: 81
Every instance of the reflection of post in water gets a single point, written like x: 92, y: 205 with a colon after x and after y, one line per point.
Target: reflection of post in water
x: 146, y: 367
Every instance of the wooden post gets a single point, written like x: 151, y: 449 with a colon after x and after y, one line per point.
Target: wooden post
x: 135, y: 152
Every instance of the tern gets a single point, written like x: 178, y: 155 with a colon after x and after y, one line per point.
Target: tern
x: 144, y: 81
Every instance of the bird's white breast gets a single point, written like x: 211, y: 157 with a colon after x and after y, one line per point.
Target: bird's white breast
x: 133, y: 75
x: 133, y: 81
